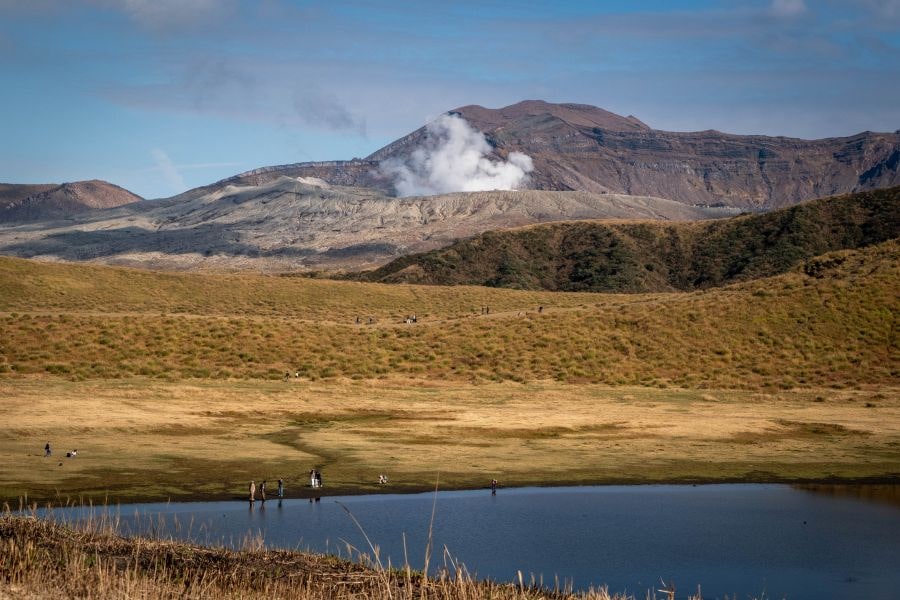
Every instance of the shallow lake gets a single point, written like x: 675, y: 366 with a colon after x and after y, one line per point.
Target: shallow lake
x: 743, y: 541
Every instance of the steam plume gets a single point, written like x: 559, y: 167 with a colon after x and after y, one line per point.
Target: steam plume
x: 454, y: 159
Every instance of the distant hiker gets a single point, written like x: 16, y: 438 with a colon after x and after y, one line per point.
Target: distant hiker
x: 493, y: 487
x: 414, y: 319
x: 47, y: 451
x: 262, y: 491
x: 312, y: 478
x: 287, y: 375
x: 280, y: 488
x: 297, y: 374
x: 357, y: 320
x: 540, y: 309
x: 252, y: 491
x: 318, y: 479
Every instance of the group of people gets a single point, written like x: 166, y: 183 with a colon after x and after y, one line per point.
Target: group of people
x: 315, y: 481
x: 262, y: 490
x: 48, y: 451
x: 315, y: 478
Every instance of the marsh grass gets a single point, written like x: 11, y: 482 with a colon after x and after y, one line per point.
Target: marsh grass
x: 45, y: 558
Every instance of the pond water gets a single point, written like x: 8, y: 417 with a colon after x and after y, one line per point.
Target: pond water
x: 743, y: 541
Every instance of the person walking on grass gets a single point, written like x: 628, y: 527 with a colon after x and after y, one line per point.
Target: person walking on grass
x: 252, y: 491
x: 47, y: 451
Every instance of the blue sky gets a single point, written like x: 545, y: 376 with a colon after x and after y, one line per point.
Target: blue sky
x: 162, y: 95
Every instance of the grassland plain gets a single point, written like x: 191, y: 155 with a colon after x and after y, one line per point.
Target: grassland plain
x: 145, y: 439
x: 170, y: 385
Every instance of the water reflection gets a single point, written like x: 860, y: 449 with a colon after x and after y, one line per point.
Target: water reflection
x: 886, y: 493
x: 741, y: 540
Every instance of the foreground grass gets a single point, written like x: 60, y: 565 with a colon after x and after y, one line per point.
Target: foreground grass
x: 39, y: 559
x: 832, y: 322
x: 150, y: 440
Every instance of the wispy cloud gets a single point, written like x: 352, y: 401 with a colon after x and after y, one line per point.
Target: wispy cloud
x: 177, y: 13
x: 788, y: 8
x: 193, y: 166
x: 283, y: 94
x: 149, y: 14
x: 168, y: 170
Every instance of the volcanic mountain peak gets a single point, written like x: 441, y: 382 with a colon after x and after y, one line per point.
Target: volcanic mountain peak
x: 25, y: 202
x: 579, y: 115
x: 585, y: 148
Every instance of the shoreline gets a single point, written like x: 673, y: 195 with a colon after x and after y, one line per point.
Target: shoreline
x: 26, y: 501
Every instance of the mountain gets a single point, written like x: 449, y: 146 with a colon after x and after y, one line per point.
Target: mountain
x: 305, y: 223
x: 24, y: 202
x: 581, y: 147
x: 655, y: 257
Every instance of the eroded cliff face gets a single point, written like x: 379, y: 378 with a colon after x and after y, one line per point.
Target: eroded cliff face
x: 579, y: 147
x: 706, y: 167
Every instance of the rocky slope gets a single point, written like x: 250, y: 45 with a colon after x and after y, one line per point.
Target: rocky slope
x: 24, y: 202
x: 307, y: 224
x: 581, y: 147
x: 653, y: 257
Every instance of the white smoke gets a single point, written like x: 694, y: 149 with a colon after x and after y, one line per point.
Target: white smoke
x: 454, y: 158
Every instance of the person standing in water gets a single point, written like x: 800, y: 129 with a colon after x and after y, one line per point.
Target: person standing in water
x: 280, y: 489
x: 262, y: 491
x: 493, y: 487
x: 252, y: 491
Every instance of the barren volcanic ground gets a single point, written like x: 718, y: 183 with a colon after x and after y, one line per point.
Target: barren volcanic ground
x: 305, y: 223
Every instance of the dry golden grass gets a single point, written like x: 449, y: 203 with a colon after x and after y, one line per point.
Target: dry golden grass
x: 144, y: 439
x: 831, y: 323
x: 192, y: 404
x: 39, y: 559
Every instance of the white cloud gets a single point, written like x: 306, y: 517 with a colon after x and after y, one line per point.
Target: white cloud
x: 788, y: 8
x: 168, y: 170
x: 454, y: 158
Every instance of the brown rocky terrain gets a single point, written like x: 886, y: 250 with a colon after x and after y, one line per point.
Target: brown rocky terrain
x: 24, y: 202
x: 290, y: 224
x: 581, y: 147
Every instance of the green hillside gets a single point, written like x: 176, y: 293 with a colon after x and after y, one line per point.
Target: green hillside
x: 655, y: 257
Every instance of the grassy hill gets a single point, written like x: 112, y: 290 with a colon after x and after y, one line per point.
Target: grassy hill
x: 655, y: 257
x: 831, y: 321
